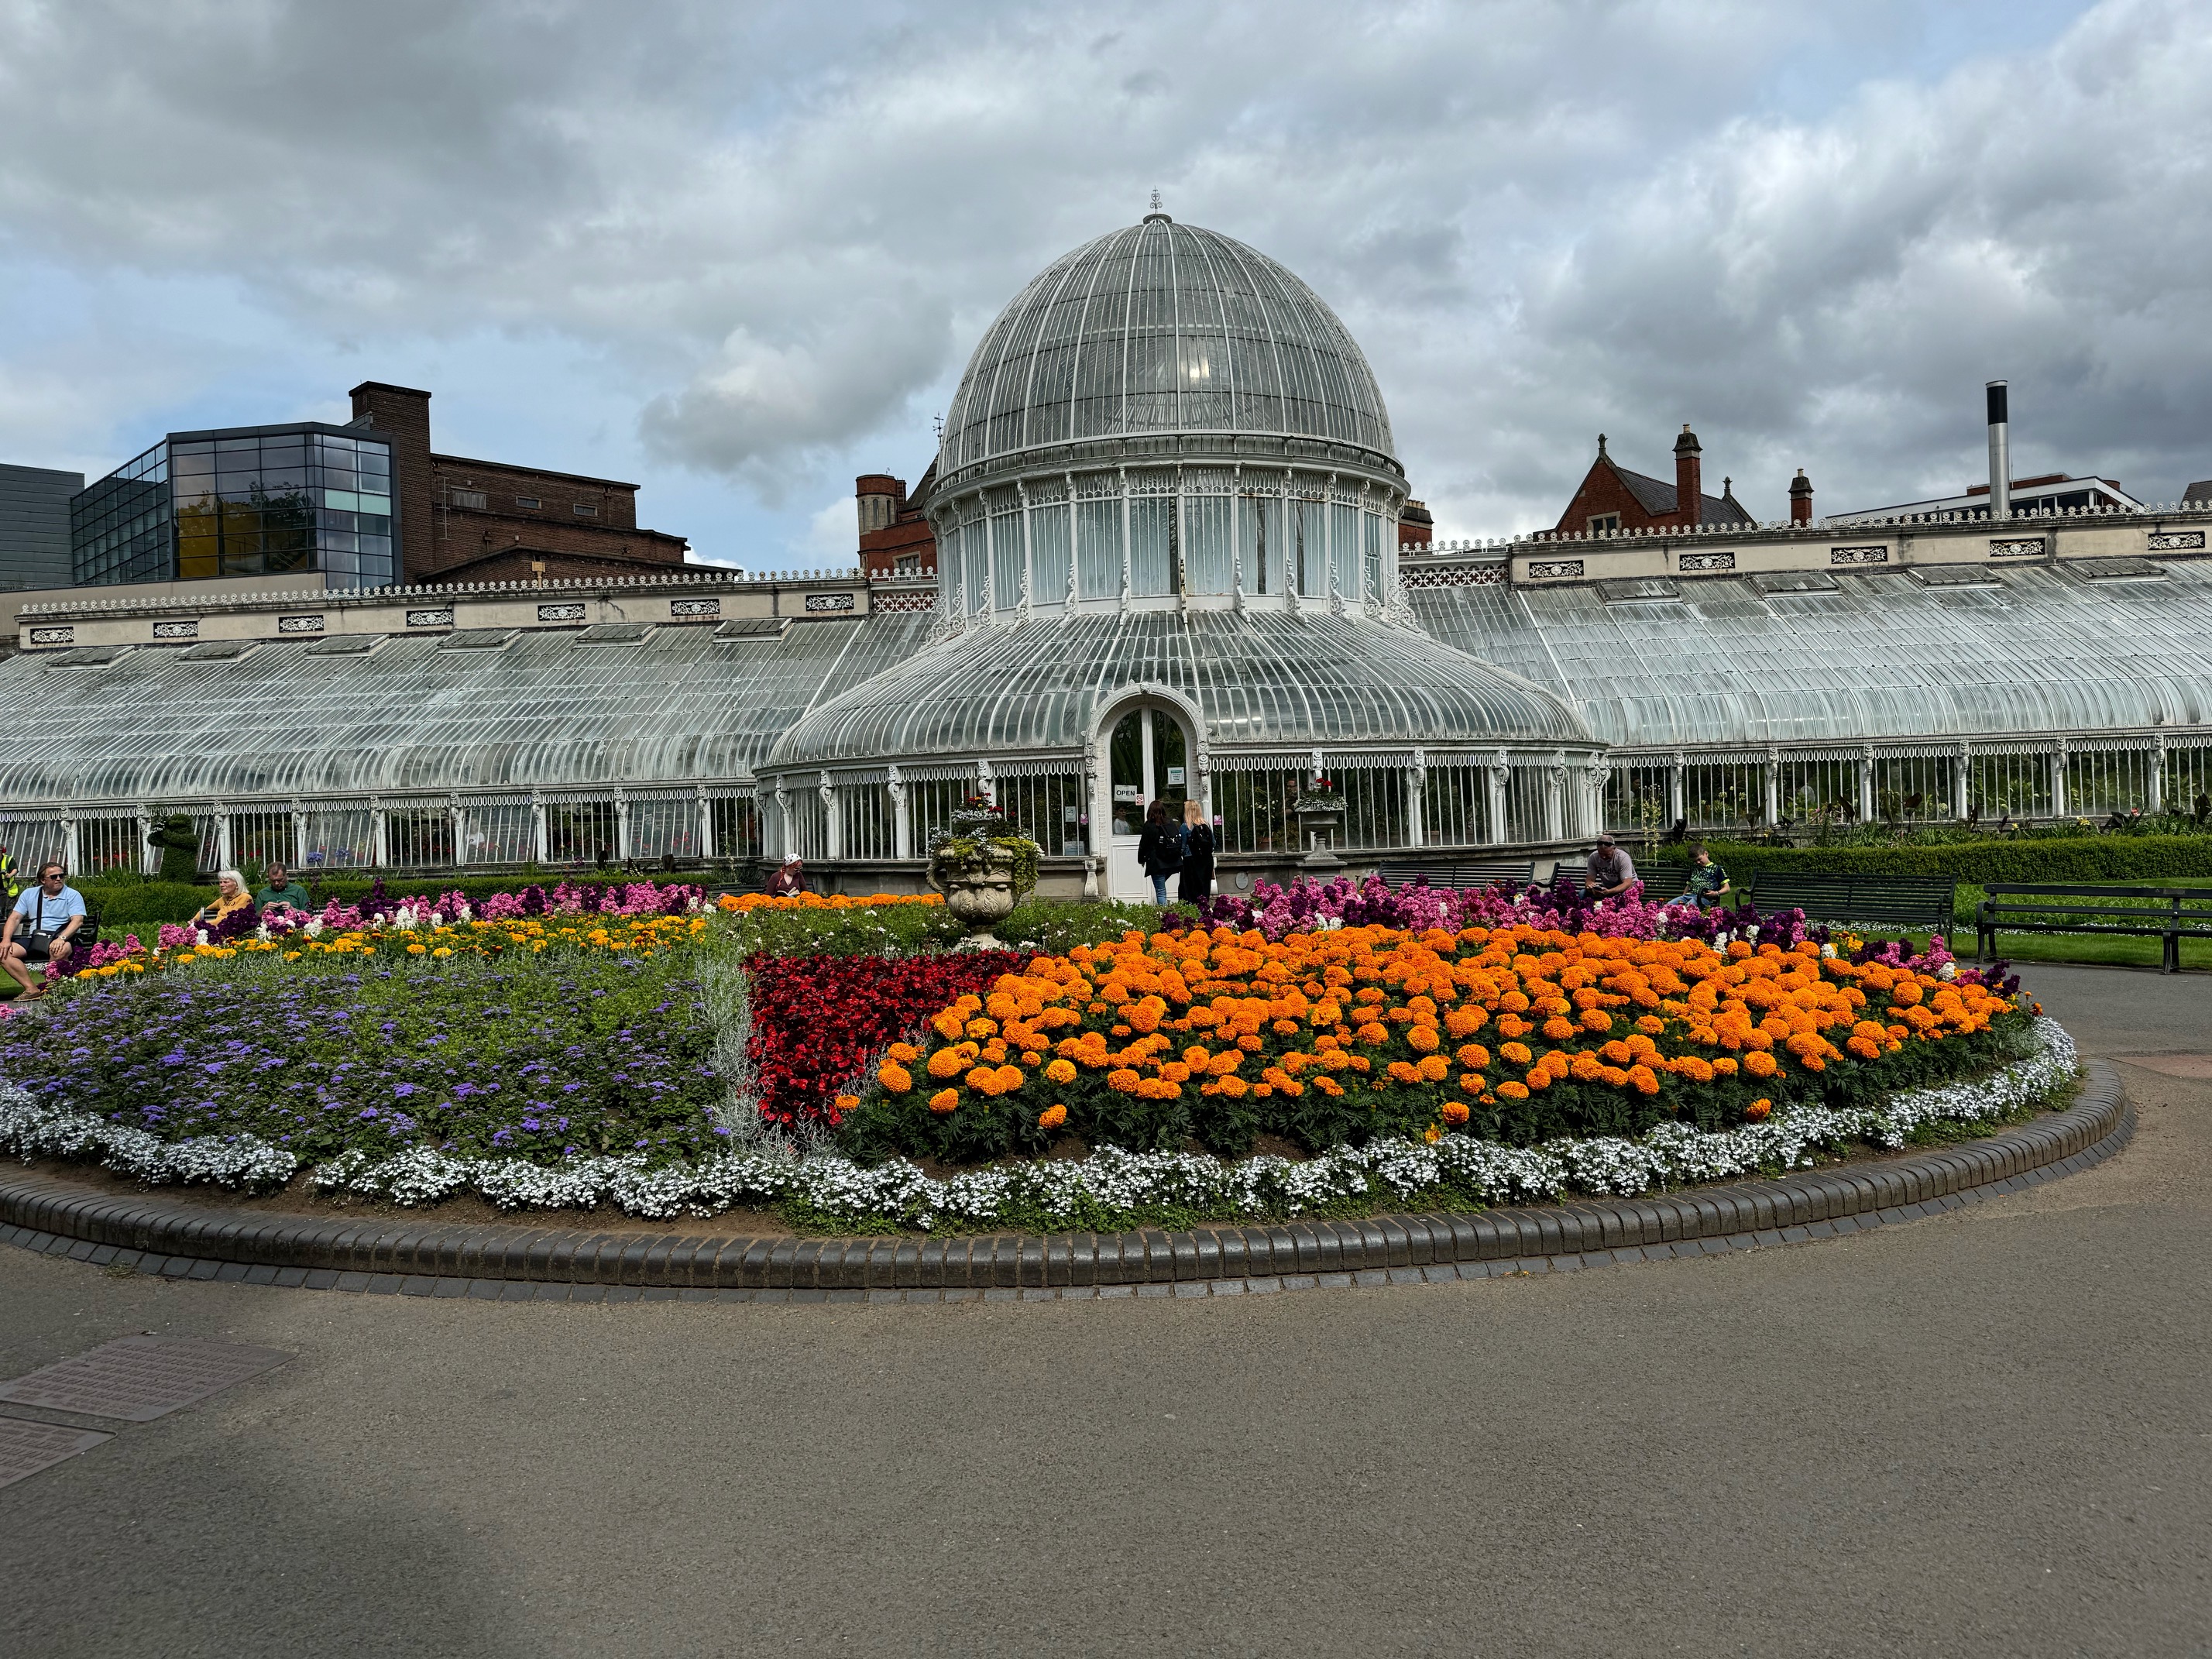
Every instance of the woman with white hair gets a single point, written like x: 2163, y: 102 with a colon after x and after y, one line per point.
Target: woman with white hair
x: 230, y: 897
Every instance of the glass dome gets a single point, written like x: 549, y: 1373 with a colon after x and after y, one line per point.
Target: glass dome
x: 1162, y: 329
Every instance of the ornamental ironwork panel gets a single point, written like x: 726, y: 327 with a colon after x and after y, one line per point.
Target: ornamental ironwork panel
x: 1858, y: 556
x: 829, y: 601
x: 299, y: 624
x: 2176, y: 541
x: 1551, y: 570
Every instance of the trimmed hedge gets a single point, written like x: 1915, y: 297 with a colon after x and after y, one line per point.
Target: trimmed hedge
x: 2137, y: 859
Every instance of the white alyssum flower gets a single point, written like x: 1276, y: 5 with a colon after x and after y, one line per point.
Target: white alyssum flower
x: 766, y: 1173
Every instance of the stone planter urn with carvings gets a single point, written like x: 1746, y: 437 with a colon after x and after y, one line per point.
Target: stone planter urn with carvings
x: 984, y: 868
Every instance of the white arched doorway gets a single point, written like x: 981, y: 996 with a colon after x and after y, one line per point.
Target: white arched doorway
x: 1149, y: 753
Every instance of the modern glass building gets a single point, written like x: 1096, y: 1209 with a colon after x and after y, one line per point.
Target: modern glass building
x: 270, y: 501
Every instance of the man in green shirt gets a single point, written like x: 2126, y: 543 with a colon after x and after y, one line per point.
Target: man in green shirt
x: 276, y: 888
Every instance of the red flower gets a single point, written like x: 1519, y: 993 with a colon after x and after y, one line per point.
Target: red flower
x: 817, y: 1020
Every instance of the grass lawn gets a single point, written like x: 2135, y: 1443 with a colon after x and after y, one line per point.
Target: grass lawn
x: 2070, y: 947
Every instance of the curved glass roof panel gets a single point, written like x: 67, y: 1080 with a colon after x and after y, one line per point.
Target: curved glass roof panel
x: 1258, y: 678
x: 1879, y: 658
x: 676, y: 707
x: 1162, y: 328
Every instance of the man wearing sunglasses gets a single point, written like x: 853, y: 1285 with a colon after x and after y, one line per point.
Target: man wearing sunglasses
x: 39, y: 927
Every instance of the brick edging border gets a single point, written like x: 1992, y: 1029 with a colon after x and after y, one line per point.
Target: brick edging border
x: 151, y: 1233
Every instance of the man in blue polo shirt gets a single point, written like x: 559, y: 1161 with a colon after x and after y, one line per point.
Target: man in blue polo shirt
x: 40, y: 928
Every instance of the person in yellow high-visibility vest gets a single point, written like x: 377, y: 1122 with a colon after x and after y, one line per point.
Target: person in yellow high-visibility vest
x: 7, y: 882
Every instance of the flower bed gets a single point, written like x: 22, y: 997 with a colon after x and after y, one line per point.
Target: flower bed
x: 1108, y: 1191
x: 534, y: 1058
x: 1514, y: 1035
x: 583, y: 1056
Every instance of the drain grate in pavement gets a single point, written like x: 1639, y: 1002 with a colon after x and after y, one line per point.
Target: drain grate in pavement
x: 27, y: 1447
x: 139, y: 1378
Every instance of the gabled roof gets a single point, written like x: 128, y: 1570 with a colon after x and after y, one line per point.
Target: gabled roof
x: 1656, y: 497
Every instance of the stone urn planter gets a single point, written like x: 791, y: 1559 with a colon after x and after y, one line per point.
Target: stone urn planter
x: 984, y: 869
x: 1320, y: 813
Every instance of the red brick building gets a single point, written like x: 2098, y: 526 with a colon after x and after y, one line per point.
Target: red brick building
x: 1611, y: 497
x: 896, y: 539
x: 463, y: 520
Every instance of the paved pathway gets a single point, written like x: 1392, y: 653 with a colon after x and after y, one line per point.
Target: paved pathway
x: 1985, y: 1433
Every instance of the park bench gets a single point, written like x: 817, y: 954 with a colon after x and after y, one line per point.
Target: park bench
x: 2169, y: 914
x: 1457, y: 875
x: 1915, y: 903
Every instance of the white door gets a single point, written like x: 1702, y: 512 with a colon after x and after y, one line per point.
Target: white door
x: 1148, y: 760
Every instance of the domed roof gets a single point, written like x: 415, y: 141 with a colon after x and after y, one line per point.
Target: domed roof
x: 1258, y: 678
x: 1160, y: 329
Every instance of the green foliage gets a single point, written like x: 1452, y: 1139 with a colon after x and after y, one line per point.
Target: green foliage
x: 864, y: 931
x: 180, y: 849
x: 1053, y: 927
x: 141, y: 904
x: 1980, y: 860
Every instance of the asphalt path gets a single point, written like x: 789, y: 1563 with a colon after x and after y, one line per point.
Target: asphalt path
x: 1987, y: 1432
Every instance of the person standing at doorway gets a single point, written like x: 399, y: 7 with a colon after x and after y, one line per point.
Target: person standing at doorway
x: 1159, y: 849
x: 1198, y: 844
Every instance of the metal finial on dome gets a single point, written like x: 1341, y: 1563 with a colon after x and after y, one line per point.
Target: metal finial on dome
x: 1156, y: 214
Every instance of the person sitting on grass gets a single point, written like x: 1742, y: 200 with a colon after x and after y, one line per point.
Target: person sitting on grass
x: 230, y: 899
x: 40, y: 928
x: 277, y: 889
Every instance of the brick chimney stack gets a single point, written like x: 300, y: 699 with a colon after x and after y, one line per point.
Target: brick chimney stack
x: 1801, y: 498
x: 880, y: 498
x: 401, y: 416
x: 1689, y: 482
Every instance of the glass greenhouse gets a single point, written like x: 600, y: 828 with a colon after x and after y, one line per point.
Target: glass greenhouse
x: 1166, y: 510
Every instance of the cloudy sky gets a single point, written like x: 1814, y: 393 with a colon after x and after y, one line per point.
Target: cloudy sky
x: 740, y: 254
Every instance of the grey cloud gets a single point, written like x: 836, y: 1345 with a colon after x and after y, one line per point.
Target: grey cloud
x: 780, y: 232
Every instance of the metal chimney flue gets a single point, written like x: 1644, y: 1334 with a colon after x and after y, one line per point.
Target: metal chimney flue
x: 2000, y: 454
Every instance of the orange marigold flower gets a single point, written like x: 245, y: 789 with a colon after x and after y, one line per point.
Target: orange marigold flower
x: 1433, y: 1068
x: 1644, y: 1080
x: 1052, y: 1117
x: 1516, y: 1052
x: 1651, y: 1025
x: 1558, y: 1027
x: 904, y: 1053
x: 947, y: 1024
x: 1473, y: 1055
x: 946, y: 1063
x: 944, y: 1101
x: 1123, y: 1080
x: 1233, y: 1087
x: 1760, y: 1063
x: 1061, y: 1071
x: 895, y: 1077
x: 1514, y: 1090
x: 1455, y: 1112
x: 1759, y: 1110
x: 1465, y: 1022
x: 1423, y: 1040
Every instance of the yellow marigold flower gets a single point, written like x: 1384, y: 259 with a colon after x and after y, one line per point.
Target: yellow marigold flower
x: 417, y: 949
